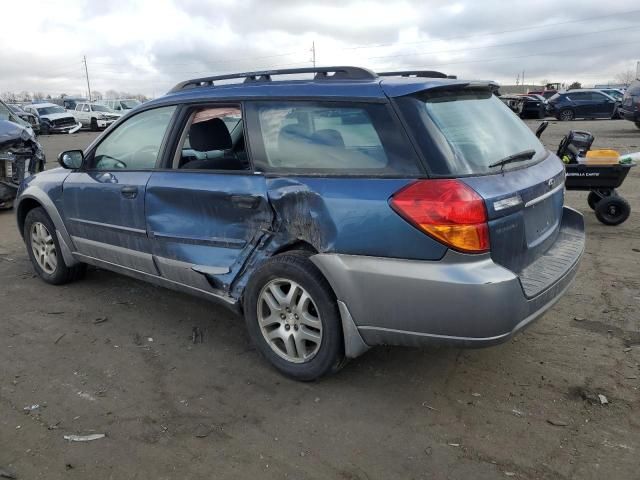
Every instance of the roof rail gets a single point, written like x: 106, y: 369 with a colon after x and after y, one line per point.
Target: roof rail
x: 321, y: 73
x: 417, y: 73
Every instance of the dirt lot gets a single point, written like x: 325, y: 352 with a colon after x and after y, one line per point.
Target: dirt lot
x: 170, y: 409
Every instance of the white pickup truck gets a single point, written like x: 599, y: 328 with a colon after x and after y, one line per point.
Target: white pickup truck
x: 94, y: 116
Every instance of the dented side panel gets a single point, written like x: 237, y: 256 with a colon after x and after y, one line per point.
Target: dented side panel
x: 204, y: 226
x: 338, y: 215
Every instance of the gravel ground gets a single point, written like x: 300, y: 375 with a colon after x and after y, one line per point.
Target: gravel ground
x: 113, y: 355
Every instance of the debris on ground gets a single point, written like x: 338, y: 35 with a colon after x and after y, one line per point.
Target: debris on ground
x: 55, y: 313
x: 197, y: 335
x: 202, y: 431
x: 603, y: 400
x: 557, y: 422
x: 100, y: 320
x: 31, y: 408
x: 424, y: 404
x: 84, y: 438
x: 8, y: 473
x: 579, y: 319
x: 60, y: 337
x: 137, y: 339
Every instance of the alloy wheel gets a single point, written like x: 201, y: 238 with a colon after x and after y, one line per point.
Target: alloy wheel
x: 44, y: 248
x: 289, y: 320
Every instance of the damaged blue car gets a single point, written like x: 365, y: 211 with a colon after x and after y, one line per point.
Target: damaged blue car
x: 335, y: 212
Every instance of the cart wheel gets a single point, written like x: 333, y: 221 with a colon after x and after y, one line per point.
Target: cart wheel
x: 596, y: 195
x: 612, y: 210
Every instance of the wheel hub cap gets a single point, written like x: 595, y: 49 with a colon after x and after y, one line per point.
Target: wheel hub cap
x: 289, y: 320
x: 44, y: 248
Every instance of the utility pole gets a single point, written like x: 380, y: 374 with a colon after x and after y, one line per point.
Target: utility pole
x: 313, y: 53
x: 523, y: 87
x: 86, y: 72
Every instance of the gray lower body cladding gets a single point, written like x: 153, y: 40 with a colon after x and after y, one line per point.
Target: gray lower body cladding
x: 465, y: 300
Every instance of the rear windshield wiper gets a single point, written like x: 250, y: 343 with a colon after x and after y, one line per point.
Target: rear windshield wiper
x: 516, y: 157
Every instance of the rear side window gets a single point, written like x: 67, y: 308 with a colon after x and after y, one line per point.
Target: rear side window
x: 465, y: 132
x: 324, y: 137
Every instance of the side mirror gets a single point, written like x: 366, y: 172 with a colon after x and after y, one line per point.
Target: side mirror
x: 541, y: 128
x: 71, y: 159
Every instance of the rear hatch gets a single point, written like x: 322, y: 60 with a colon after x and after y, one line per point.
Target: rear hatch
x: 631, y: 99
x: 472, y: 136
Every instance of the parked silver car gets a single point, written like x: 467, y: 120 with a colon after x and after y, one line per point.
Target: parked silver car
x: 120, y: 105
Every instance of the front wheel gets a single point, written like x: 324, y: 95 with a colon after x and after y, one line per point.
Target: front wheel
x: 44, y: 129
x: 293, y: 318
x: 44, y: 250
x: 637, y: 124
x: 612, y: 210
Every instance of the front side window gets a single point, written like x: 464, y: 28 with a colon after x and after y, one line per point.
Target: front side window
x: 465, y: 132
x: 86, y: 108
x: 135, y: 144
x: 321, y: 137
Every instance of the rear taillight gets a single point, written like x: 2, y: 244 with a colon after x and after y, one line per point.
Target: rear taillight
x: 447, y: 210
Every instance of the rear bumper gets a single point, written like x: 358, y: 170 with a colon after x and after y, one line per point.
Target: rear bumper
x: 629, y: 114
x: 463, y: 300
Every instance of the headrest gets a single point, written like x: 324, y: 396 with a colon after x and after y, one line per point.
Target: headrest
x: 210, y: 135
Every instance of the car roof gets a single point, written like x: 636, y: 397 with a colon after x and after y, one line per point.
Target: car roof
x: 372, y: 88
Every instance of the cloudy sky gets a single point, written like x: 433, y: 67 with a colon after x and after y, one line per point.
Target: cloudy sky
x: 147, y: 46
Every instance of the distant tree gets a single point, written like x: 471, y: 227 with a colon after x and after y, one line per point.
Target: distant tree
x: 48, y: 97
x: 544, y: 81
x: 96, y: 95
x: 575, y: 85
x: 111, y: 94
x: 625, y: 77
x: 8, y: 97
x: 62, y: 95
x: 24, y: 96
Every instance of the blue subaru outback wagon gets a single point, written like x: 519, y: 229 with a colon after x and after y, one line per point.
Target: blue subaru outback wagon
x: 335, y: 212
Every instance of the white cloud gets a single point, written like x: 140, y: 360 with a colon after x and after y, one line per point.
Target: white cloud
x: 148, y: 45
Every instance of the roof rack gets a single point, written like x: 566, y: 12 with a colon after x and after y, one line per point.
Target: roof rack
x: 417, y: 73
x: 321, y: 73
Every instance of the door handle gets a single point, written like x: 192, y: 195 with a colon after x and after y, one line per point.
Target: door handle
x: 245, y: 201
x: 129, y: 191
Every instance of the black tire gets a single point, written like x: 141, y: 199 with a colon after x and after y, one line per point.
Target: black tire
x: 566, y: 115
x: 94, y: 125
x: 297, y: 267
x: 62, y: 273
x: 637, y: 124
x: 612, y: 210
x: 593, y: 200
x: 44, y: 128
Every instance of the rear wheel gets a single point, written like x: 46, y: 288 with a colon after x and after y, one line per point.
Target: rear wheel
x: 612, y: 210
x: 94, y: 125
x: 595, y: 196
x: 44, y: 250
x: 293, y: 319
x: 566, y: 115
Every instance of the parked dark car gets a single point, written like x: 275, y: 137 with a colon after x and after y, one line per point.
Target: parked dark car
x: 337, y: 212
x: 630, y: 108
x: 20, y: 155
x: 29, y: 118
x: 583, y: 103
x: 526, y: 106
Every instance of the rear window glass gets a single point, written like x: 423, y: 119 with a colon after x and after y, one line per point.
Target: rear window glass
x: 464, y: 132
x: 323, y: 137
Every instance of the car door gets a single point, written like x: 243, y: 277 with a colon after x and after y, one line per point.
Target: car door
x: 603, y: 105
x: 103, y: 203
x: 581, y: 103
x: 206, y: 210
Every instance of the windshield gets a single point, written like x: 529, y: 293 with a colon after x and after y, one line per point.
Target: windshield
x: 50, y: 110
x: 467, y: 131
x: 129, y: 103
x: 101, y: 108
